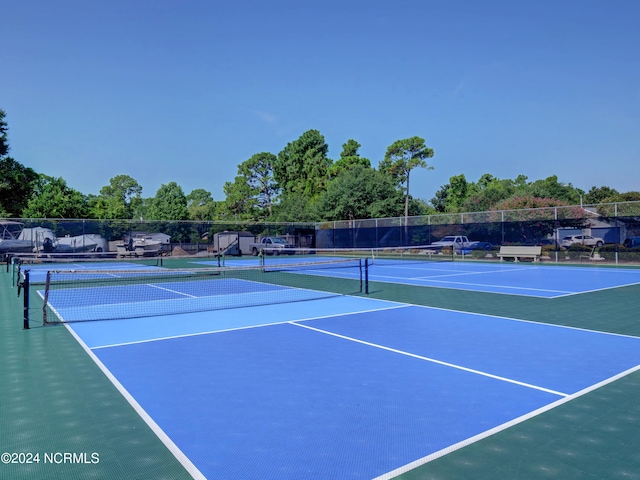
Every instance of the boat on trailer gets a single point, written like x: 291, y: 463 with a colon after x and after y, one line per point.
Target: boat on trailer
x: 140, y: 245
x: 10, y: 240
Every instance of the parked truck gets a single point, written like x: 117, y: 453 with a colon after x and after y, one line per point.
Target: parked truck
x: 271, y: 246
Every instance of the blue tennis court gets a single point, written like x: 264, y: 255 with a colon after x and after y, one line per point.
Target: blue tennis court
x: 343, y: 386
x: 524, y: 279
x: 505, y: 278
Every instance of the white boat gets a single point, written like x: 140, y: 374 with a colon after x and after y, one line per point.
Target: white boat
x: 142, y: 244
x: 10, y: 241
x: 43, y: 240
x: 89, y: 242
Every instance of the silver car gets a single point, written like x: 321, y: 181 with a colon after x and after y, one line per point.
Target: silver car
x: 581, y: 240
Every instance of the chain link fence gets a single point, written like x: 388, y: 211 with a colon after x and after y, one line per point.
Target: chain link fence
x: 607, y: 232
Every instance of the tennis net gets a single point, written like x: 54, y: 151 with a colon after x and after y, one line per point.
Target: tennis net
x: 418, y: 253
x: 89, y: 295
x: 41, y: 263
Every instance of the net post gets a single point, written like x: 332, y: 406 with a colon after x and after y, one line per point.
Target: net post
x: 366, y: 276
x: 18, y: 274
x: 25, y: 298
x: 47, y: 287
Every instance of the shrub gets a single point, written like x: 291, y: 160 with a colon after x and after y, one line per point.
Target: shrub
x: 624, y: 254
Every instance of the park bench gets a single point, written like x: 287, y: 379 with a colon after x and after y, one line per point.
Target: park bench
x: 518, y: 252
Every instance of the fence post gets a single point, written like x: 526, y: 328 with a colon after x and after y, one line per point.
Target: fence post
x: 615, y: 215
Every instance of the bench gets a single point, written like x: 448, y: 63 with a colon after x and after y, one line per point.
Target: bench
x: 518, y: 252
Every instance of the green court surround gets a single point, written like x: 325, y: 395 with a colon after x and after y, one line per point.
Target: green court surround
x: 53, y: 398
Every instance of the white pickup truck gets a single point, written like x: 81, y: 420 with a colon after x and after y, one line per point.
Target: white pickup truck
x: 459, y: 243
x: 271, y: 246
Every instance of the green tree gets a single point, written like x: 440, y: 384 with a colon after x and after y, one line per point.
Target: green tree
x: 401, y: 157
x: 530, y: 219
x: 360, y: 193
x: 624, y: 197
x: 621, y: 209
x: 488, y: 191
x: 294, y: 207
x: 258, y: 172
x: 461, y: 196
x: 550, y: 187
x: 139, y: 207
x: 17, y: 184
x: 349, y: 158
x: 52, y: 198
x: 418, y: 206
x: 118, y: 200
x: 240, y: 201
x: 170, y: 203
x: 528, y: 203
x: 168, y: 208
x: 302, y: 166
x: 459, y: 190
x: 16, y: 181
x: 4, y: 143
x: 599, y: 194
x: 439, y: 200
x: 451, y: 196
x: 201, y: 205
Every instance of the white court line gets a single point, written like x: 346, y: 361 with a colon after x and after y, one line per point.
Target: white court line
x: 597, y: 290
x: 52, y: 308
x: 523, y: 320
x: 432, y: 360
x: 172, y: 291
x: 487, y: 288
x: 476, y: 273
x: 457, y: 274
x: 394, y: 305
x: 605, y: 269
x: 421, y: 268
x: 435, y: 278
x: 347, y: 274
x: 498, y: 286
x: 458, y: 271
x: 246, y: 327
x: 164, y: 438
x: 511, y: 319
x: 500, y: 428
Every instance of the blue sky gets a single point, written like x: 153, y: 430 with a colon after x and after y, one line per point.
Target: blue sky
x: 184, y: 91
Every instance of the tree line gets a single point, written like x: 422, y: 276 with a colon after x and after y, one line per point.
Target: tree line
x: 299, y: 183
